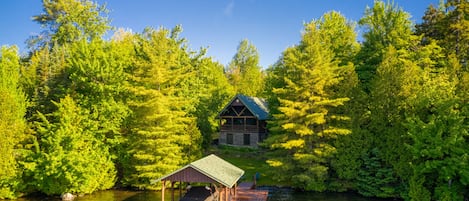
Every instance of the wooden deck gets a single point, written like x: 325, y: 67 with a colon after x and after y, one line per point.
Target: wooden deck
x: 247, y: 192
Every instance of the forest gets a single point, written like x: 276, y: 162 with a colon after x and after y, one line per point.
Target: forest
x: 386, y: 116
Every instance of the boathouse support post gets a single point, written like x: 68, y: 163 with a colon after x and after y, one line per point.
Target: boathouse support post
x: 226, y: 194
x: 235, y: 189
x: 180, y: 189
x: 172, y: 190
x: 162, y: 190
x: 220, y: 195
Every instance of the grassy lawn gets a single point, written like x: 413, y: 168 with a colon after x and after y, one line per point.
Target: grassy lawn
x: 252, y: 161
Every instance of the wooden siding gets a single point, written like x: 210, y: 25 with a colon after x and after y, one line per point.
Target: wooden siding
x: 189, y: 174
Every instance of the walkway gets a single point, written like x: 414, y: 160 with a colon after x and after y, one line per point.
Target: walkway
x: 246, y: 192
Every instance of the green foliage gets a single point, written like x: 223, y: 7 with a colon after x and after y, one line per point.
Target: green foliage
x: 449, y: 26
x: 439, y: 146
x: 244, y: 72
x: 69, y: 21
x: 375, y: 178
x: 339, y: 35
x: 385, y: 118
x: 70, y: 157
x: 384, y: 24
x: 12, y: 123
x: 163, y: 136
x: 96, y: 78
x: 43, y: 78
x: 438, y: 138
x: 304, y: 127
x: 213, y: 92
x: 417, y: 190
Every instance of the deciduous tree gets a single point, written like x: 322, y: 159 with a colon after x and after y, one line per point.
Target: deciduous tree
x: 12, y: 123
x: 244, y: 72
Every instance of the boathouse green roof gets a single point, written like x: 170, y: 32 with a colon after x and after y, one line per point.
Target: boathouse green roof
x: 208, y: 169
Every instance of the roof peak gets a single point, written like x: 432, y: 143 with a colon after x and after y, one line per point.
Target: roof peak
x: 257, y: 106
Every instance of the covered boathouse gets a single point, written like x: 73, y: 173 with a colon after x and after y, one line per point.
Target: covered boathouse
x: 222, y: 176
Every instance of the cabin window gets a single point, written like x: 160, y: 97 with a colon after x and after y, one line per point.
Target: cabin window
x: 229, y: 138
x: 238, y: 121
x: 247, y: 139
x: 251, y: 121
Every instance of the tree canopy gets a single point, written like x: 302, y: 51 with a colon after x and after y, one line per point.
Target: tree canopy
x: 384, y: 117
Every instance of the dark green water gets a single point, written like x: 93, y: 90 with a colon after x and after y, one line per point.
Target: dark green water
x: 286, y: 194
x: 275, y: 194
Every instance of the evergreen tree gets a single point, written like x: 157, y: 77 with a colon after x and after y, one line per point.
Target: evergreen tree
x: 303, y: 130
x: 449, y: 25
x: 244, y: 72
x: 386, y: 68
x: 42, y: 78
x: 12, y: 123
x: 432, y: 25
x: 163, y: 136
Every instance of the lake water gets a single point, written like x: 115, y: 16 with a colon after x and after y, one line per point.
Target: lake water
x: 275, y: 194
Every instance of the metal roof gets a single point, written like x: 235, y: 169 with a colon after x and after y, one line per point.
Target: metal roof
x: 257, y: 106
x: 212, y: 167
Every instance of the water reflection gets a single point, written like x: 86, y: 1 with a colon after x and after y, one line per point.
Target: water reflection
x: 288, y: 194
x: 111, y: 195
x: 275, y: 194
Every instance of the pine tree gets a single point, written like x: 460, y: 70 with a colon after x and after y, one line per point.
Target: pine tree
x: 304, y: 128
x: 449, y: 25
x: 162, y: 134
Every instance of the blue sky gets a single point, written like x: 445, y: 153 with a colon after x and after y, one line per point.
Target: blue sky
x: 271, y: 25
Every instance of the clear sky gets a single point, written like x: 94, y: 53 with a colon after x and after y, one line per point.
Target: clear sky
x: 271, y: 25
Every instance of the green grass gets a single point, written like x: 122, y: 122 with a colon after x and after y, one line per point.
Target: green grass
x: 252, y: 161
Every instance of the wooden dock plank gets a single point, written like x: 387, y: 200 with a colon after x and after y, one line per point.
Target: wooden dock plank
x: 245, y: 192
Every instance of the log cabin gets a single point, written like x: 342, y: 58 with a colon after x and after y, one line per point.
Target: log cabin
x: 243, y: 121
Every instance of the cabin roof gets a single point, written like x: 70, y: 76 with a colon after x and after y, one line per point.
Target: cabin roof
x: 257, y: 106
x: 209, y: 168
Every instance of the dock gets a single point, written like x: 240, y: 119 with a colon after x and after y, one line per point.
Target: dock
x: 246, y: 192
x: 222, y: 176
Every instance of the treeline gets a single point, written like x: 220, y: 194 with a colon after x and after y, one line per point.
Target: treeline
x: 80, y: 114
x: 387, y: 117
